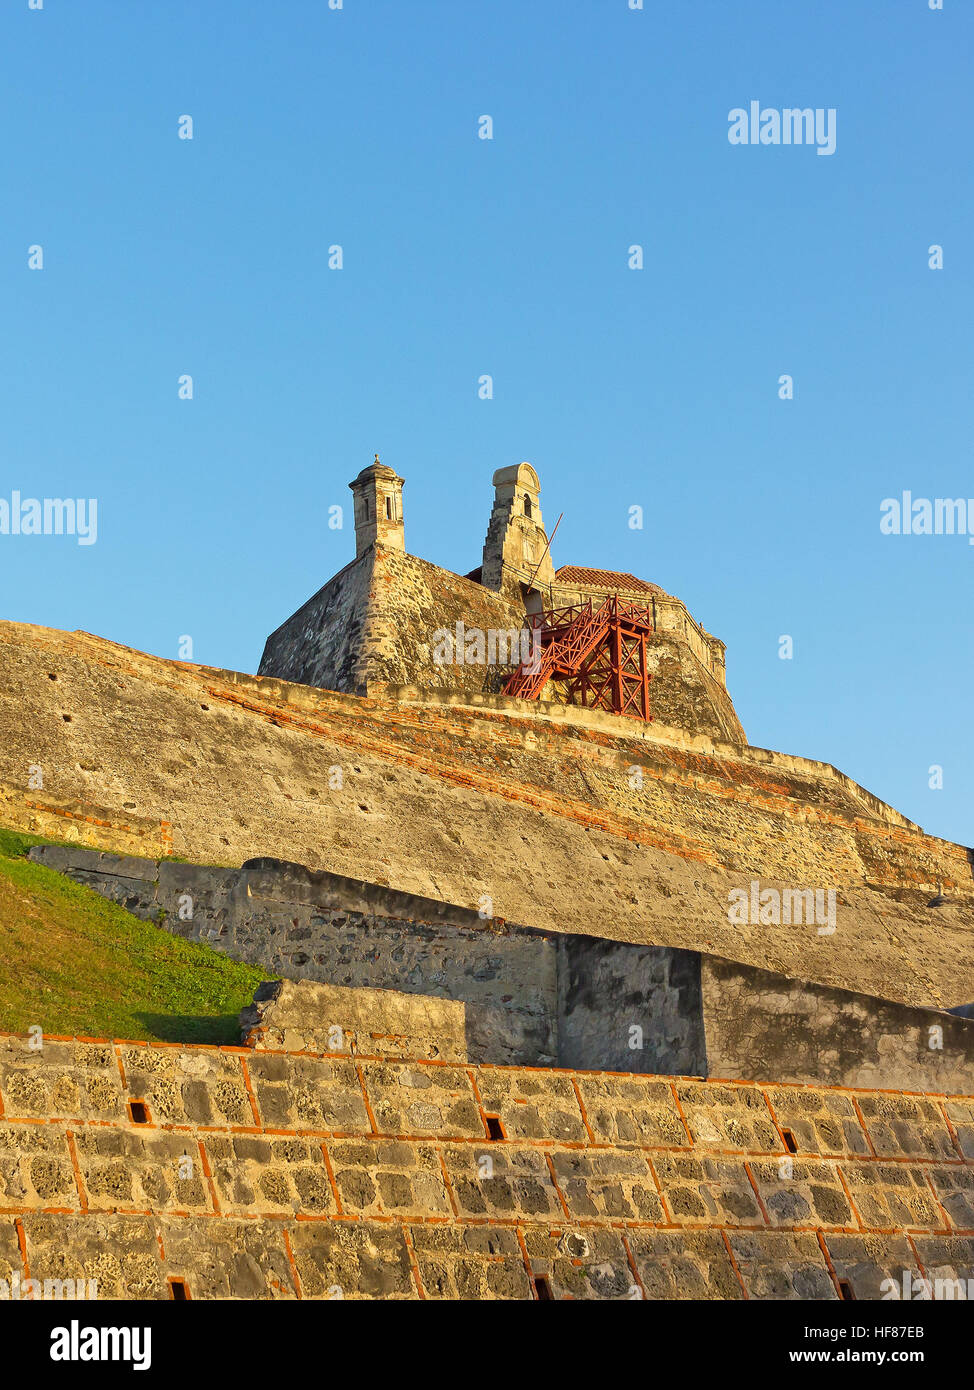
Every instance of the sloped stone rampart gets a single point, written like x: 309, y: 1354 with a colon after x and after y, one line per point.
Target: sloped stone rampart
x: 598, y: 830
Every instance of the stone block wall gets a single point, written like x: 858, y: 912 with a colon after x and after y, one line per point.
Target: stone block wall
x: 290, y: 1017
x: 760, y: 1024
x: 322, y: 643
x: 412, y: 601
x: 202, y: 1172
x: 376, y: 622
x: 318, y: 926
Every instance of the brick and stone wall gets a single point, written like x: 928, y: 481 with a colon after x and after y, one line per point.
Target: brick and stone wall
x: 259, y: 1174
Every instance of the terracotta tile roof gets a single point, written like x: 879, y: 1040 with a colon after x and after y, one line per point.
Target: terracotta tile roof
x: 605, y: 579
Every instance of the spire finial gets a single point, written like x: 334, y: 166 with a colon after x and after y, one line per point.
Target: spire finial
x: 377, y: 458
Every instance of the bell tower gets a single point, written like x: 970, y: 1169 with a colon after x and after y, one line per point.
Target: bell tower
x: 516, y: 549
x: 377, y: 494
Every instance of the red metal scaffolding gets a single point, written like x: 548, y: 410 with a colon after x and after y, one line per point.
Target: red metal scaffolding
x: 597, y: 655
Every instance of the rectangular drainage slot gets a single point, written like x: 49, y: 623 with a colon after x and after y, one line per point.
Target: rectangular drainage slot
x: 494, y: 1127
x: 179, y: 1290
x: 138, y: 1112
x: 542, y: 1289
x: 845, y: 1291
x: 789, y: 1139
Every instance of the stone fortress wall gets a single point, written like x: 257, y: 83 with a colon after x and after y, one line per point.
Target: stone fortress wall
x: 537, y: 811
x: 445, y: 1098
x: 375, y: 624
x: 278, y: 1170
x: 525, y: 997
x: 320, y: 643
x: 671, y: 614
x: 373, y: 627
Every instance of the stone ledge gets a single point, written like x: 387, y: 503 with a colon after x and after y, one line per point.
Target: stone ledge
x: 306, y: 1017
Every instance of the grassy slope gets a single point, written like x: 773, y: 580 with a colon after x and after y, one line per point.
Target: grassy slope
x: 74, y: 964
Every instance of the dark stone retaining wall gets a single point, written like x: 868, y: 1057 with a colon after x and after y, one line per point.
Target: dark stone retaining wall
x: 541, y: 998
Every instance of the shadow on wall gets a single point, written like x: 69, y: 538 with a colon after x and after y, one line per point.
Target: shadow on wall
x: 215, y: 1030
x: 629, y: 1008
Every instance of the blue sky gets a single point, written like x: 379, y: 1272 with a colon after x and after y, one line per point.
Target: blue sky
x: 463, y: 257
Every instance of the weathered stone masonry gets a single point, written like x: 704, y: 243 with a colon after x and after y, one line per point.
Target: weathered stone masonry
x: 631, y: 1095
x: 536, y: 810
x: 323, y: 1176
x: 539, y: 998
x: 374, y: 624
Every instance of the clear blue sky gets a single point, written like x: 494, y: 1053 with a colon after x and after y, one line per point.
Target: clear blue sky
x: 358, y: 127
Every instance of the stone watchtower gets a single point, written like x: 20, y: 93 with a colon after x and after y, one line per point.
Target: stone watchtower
x: 516, y: 549
x: 378, y: 508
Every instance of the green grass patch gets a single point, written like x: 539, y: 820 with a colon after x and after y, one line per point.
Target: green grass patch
x: 75, y: 964
x: 16, y: 844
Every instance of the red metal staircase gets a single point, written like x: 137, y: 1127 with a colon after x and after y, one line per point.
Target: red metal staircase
x: 596, y: 655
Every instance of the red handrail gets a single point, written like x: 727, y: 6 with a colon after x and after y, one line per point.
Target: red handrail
x: 568, y: 636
